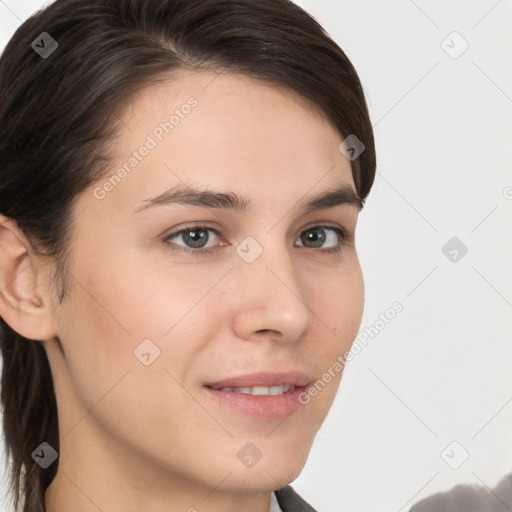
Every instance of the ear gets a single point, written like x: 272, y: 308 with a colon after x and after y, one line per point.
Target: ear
x: 21, y: 305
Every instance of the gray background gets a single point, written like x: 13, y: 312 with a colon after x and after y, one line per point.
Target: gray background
x: 441, y: 370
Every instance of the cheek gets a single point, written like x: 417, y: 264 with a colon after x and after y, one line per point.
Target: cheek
x: 154, y: 296
x: 339, y: 307
x: 108, y: 380
x: 340, y: 302
x: 129, y: 301
x: 119, y: 311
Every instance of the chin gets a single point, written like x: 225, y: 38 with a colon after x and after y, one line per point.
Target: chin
x: 275, y: 469
x: 262, y: 479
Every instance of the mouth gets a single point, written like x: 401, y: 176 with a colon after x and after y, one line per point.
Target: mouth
x: 263, y: 395
x: 257, y: 390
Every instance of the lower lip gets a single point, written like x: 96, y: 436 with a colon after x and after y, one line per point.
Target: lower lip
x: 268, y: 407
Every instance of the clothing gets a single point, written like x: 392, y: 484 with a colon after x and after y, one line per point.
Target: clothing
x: 274, y: 504
x: 470, y: 499
x: 289, y: 501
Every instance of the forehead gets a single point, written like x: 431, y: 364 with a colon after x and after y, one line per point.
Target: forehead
x: 224, y: 131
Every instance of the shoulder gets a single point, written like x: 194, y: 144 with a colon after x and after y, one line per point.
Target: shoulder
x: 469, y: 499
x: 290, y: 501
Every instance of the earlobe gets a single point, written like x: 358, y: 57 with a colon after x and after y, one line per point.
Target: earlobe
x: 21, y: 305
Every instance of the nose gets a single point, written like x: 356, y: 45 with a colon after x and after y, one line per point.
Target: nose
x: 271, y: 298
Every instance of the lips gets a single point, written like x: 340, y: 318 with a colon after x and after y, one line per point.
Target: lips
x: 263, y: 395
x: 263, y: 379
x: 258, y: 390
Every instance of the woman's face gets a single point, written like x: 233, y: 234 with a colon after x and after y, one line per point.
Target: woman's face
x: 253, y: 289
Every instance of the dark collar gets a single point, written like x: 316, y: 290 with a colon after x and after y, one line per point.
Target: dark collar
x: 290, y: 501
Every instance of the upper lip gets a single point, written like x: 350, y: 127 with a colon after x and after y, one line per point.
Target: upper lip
x: 289, y: 378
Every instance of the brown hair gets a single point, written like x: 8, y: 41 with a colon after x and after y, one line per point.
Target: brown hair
x: 58, y: 114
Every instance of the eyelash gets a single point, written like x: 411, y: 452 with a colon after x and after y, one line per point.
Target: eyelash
x: 343, y: 234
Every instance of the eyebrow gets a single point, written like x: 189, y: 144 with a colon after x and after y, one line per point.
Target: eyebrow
x: 193, y: 196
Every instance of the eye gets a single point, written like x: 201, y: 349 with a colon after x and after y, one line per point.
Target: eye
x: 195, y: 238
x: 317, y: 236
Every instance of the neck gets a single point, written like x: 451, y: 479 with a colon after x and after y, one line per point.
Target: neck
x: 67, y: 492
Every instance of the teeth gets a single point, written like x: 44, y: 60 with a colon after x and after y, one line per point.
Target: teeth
x: 261, y: 390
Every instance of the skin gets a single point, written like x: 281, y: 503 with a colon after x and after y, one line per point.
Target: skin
x: 136, y: 437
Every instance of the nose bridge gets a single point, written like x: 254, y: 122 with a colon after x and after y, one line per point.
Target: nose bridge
x: 272, y: 296
x: 268, y: 262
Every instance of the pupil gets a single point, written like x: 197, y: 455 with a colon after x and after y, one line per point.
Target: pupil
x: 196, y: 238
x: 316, y: 236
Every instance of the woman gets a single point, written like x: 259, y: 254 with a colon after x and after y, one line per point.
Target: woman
x: 179, y: 191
